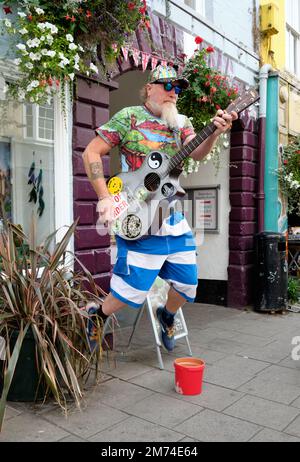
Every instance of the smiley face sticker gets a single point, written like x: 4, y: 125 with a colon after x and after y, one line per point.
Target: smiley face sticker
x: 115, y: 185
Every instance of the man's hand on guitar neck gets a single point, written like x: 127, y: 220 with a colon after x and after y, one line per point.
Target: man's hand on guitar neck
x: 223, y: 121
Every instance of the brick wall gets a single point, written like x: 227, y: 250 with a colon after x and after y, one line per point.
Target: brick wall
x: 90, y: 110
x: 243, y: 215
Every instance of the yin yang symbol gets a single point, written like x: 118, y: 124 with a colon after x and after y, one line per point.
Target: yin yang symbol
x: 155, y: 160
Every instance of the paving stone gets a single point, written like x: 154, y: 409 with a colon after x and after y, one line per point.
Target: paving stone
x: 31, y: 428
x: 281, y: 375
x: 163, y: 410
x: 233, y: 372
x: 263, y: 412
x: 296, y: 403
x: 127, y: 370
x: 294, y: 428
x: 137, y: 430
x: 272, y: 353
x: 210, y: 426
x: 157, y: 380
x: 270, y: 390
x: 89, y: 421
x: 214, y: 397
x: 271, y: 436
x: 10, y: 412
x: 227, y: 346
x: 118, y: 394
x: 290, y: 362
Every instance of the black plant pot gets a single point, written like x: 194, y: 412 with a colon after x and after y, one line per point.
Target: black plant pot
x: 25, y: 385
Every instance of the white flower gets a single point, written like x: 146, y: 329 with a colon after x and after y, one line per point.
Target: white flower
x: 72, y: 46
x: 35, y: 83
x: 29, y: 65
x: 23, y: 31
x: 41, y: 26
x: 49, y: 39
x: 70, y: 38
x: 51, y: 53
x: 21, y: 94
x: 33, y: 43
x: 7, y: 23
x: 72, y: 75
x: 43, y: 38
x: 22, y: 15
x: 39, y: 11
x: 21, y: 46
x: 94, y: 68
x: 76, y: 67
x: 17, y: 61
x: 80, y: 48
x: 44, y: 51
x: 76, y: 58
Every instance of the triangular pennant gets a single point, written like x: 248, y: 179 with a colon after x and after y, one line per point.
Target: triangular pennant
x: 125, y: 52
x: 154, y: 61
x: 145, y: 60
x: 136, y: 56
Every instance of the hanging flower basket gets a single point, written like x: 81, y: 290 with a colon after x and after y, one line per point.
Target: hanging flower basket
x: 54, y: 40
x: 209, y: 91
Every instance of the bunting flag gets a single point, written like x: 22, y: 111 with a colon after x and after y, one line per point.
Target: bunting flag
x: 125, y: 52
x: 136, y: 56
x: 154, y: 61
x: 145, y: 60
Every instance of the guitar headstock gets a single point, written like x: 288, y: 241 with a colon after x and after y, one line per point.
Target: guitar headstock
x: 245, y: 100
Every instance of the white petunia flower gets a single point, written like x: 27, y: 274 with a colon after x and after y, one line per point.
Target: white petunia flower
x: 39, y: 11
x: 21, y: 46
x: 62, y: 64
x: 22, y: 15
x: 29, y: 65
x: 17, y: 61
x: 7, y: 22
x: 70, y: 38
x: 51, y: 53
x: 23, y: 31
x: 72, y: 75
x: 43, y: 38
x: 41, y: 26
x: 80, y: 48
x: 72, y: 46
x: 35, y: 83
x: 94, y: 68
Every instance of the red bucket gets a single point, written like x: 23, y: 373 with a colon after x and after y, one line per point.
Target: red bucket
x: 189, y: 375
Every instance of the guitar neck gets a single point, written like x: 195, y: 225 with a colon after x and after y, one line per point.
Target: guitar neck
x: 191, y: 146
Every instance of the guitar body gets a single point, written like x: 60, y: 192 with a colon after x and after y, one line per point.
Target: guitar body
x: 142, y: 198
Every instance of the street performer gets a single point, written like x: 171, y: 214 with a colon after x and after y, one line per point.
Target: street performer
x: 171, y: 252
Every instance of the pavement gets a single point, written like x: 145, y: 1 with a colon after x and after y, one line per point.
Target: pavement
x: 251, y: 389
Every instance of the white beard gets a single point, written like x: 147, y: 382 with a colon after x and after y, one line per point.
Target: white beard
x: 168, y: 113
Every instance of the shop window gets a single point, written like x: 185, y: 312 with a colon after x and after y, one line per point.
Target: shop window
x: 39, y: 122
x: 293, y: 36
x: 27, y: 165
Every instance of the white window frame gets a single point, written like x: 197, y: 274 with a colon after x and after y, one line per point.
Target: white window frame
x: 35, y: 128
x: 197, y: 5
x: 293, y: 31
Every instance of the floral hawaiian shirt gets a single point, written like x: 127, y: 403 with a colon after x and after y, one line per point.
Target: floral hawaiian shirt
x: 138, y: 132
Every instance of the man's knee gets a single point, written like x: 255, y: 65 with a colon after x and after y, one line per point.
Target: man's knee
x: 112, y: 304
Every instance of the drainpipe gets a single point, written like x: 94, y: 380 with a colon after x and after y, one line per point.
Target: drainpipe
x: 263, y: 91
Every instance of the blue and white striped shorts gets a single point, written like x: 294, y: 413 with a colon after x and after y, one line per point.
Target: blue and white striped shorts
x: 173, y: 258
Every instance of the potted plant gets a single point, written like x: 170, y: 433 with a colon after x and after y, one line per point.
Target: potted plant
x: 294, y: 293
x: 43, y: 309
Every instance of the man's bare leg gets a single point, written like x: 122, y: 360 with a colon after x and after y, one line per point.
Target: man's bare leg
x: 175, y: 301
x: 111, y: 305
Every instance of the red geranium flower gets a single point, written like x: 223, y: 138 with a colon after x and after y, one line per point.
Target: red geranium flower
x: 142, y: 10
x: 7, y: 9
x: 88, y: 14
x: 210, y: 50
x: 213, y: 90
x: 131, y: 6
x: 73, y: 19
x: 29, y: 17
x: 198, y: 40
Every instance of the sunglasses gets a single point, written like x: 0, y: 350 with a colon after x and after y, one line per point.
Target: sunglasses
x: 168, y: 86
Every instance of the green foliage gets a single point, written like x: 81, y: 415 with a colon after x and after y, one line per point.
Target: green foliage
x: 289, y: 175
x: 56, y: 39
x: 40, y: 293
x: 293, y: 290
